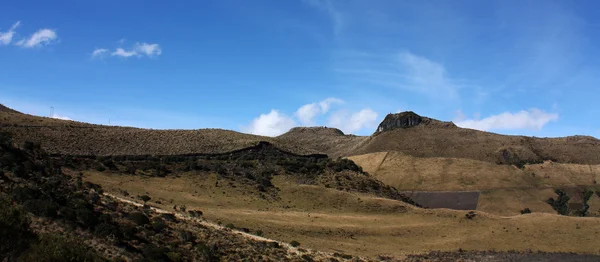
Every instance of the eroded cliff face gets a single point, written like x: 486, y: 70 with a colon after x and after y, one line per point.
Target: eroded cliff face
x: 408, y: 119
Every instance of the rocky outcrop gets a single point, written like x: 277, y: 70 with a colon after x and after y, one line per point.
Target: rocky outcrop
x: 408, y: 119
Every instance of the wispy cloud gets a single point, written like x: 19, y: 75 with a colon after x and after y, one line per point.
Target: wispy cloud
x: 7, y: 37
x: 148, y: 49
x: 40, y: 38
x: 99, y: 53
x: 276, y: 123
x: 405, y: 71
x: 334, y: 14
x: 533, y: 119
x: 122, y: 53
x: 137, y: 50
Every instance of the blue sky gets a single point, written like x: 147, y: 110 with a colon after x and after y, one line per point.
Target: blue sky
x: 264, y: 66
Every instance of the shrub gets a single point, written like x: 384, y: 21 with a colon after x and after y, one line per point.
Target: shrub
x: 86, y: 217
x: 307, y: 258
x: 138, y: 218
x: 100, y: 168
x: 155, y: 253
x: 186, y: 236
x: 145, y: 198
x: 560, y: 204
x: 52, y: 247
x: 128, y: 231
x: 15, y: 233
x: 39, y: 207
x: 471, y: 215
x: 105, y: 230
x: 295, y: 243
x: 230, y: 226
x: 158, y: 225
x: 341, y: 255
x: 259, y: 233
x: 209, y: 253
x: 525, y: 211
x: 174, y: 256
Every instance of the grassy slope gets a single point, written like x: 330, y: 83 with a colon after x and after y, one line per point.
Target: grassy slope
x: 358, y: 224
x: 76, y: 138
x: 505, y: 189
x: 435, y: 141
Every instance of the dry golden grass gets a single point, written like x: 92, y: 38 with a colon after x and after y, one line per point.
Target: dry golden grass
x: 75, y: 138
x: 505, y: 190
x: 359, y: 224
x: 438, y: 141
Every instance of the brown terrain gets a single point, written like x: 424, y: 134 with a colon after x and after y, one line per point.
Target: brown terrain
x: 294, y: 188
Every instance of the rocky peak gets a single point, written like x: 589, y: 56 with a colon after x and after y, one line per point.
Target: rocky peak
x: 408, y: 119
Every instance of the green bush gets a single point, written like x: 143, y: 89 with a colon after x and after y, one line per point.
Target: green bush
x: 295, y: 243
x: 230, y: 226
x: 100, y: 168
x: 525, y: 211
x: 560, y: 204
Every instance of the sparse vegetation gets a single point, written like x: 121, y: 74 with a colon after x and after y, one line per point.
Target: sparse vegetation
x: 525, y: 211
x: 294, y: 243
x: 560, y: 204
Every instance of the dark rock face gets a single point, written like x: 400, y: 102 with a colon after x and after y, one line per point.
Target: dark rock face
x: 400, y: 120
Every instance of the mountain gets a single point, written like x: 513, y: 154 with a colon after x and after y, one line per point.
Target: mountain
x: 419, y: 136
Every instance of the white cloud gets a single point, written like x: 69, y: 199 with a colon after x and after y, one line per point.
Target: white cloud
x: 39, y: 38
x: 308, y: 112
x: 271, y: 124
x: 533, y: 119
x: 99, y: 52
x: 138, y: 50
x: 61, y: 117
x: 122, y: 53
x: 6, y: 37
x: 275, y: 123
x: 427, y: 76
x: 148, y: 49
x: 350, y: 123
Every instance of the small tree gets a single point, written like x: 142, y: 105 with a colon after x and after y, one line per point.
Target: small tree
x: 525, y: 211
x: 560, y: 204
x: 145, y: 198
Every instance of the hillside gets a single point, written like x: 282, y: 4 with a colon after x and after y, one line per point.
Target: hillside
x: 76, y: 138
x: 8, y: 110
x: 505, y: 190
x: 419, y: 136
